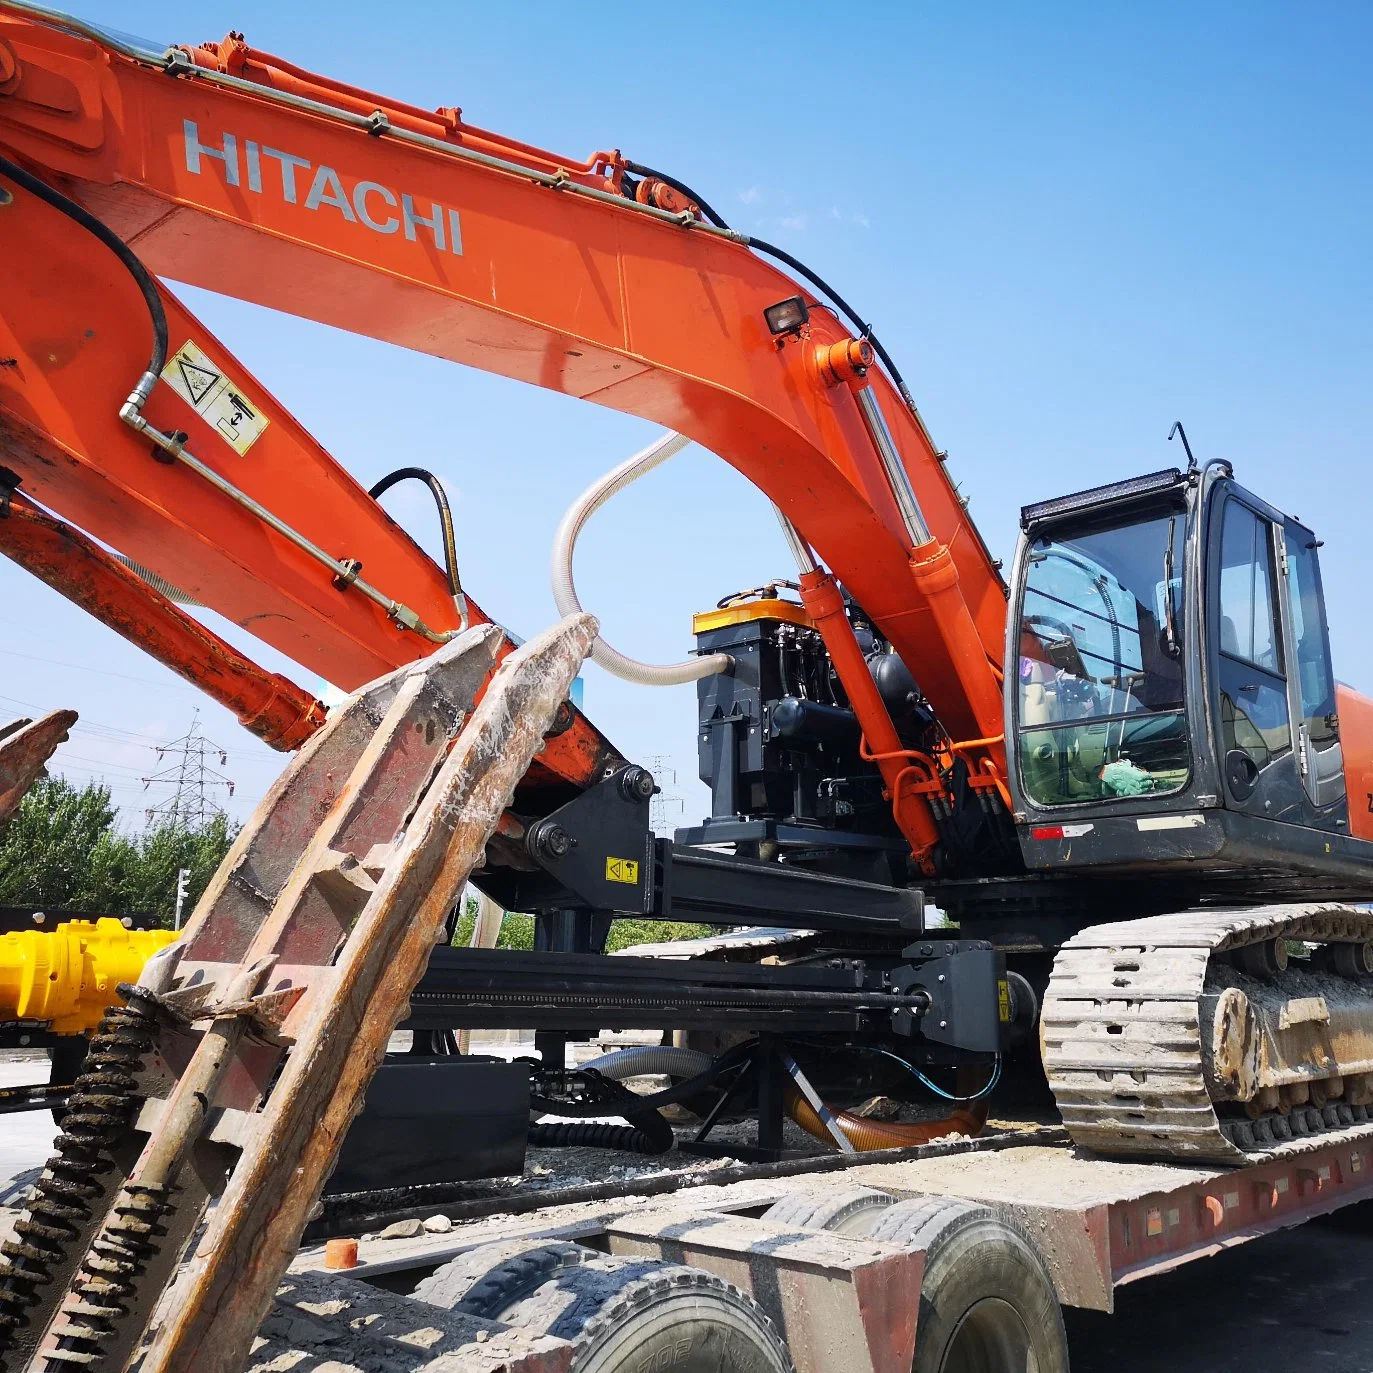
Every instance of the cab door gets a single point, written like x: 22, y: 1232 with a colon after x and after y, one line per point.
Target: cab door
x: 1248, y: 654
x: 1311, y: 682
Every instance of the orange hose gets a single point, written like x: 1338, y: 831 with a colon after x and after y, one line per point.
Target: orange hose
x: 866, y: 1135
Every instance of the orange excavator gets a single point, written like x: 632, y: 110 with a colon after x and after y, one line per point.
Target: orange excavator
x: 1129, y: 774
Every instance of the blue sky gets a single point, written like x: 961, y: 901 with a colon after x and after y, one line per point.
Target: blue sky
x: 1071, y: 224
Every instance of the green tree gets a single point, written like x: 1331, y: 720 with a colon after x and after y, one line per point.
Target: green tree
x: 517, y: 931
x: 161, y: 852
x: 64, y: 850
x: 46, y: 849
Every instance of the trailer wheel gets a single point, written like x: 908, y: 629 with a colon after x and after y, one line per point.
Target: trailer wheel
x: 495, y: 1276
x: 844, y: 1211
x: 626, y: 1314
x: 987, y: 1303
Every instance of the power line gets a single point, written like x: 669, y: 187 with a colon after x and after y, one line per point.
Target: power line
x: 103, y: 763
x: 127, y: 792
x: 94, y: 729
x: 103, y: 671
x: 91, y: 727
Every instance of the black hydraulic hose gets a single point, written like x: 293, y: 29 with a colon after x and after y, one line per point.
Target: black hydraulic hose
x: 450, y: 544
x: 796, y: 265
x: 639, y: 169
x: 823, y: 286
x: 158, y: 315
x: 49, y: 195
x: 656, y: 1131
x: 581, y: 1134
x: 647, y: 1132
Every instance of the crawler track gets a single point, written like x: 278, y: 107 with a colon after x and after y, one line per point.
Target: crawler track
x: 1122, y: 1034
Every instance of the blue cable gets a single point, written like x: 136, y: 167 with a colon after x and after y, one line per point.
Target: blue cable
x: 935, y: 1088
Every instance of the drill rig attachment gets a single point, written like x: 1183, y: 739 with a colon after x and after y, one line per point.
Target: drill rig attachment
x: 245, y: 1050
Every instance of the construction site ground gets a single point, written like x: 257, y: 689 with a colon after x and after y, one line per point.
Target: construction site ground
x: 1300, y: 1298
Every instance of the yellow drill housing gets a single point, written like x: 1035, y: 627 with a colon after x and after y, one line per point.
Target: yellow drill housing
x: 69, y: 976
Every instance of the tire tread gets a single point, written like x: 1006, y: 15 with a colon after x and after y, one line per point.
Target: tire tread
x: 489, y: 1278
x: 827, y: 1209
x: 608, y: 1292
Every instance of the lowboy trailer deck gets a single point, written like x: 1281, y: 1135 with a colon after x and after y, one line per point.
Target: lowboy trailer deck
x: 882, y: 1263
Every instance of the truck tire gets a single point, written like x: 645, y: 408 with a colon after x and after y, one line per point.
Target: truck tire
x: 627, y: 1314
x: 987, y: 1302
x: 497, y: 1275
x: 841, y: 1210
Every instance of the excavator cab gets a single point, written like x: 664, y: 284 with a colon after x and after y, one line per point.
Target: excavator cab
x: 1172, y: 701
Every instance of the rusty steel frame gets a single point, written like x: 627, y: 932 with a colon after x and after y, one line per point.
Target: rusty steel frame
x: 25, y: 747
x: 340, y: 1037
x: 274, y: 1011
x: 275, y: 709
x: 1155, y: 1233
x: 1103, y: 1224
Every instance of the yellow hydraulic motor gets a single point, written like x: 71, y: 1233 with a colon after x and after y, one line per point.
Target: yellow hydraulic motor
x: 69, y: 976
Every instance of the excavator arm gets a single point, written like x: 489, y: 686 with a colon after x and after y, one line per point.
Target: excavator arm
x: 232, y: 170
x: 214, y: 550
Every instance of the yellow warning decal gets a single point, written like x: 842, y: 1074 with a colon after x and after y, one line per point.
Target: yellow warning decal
x: 1003, y: 1001
x: 203, y: 385
x: 624, y: 870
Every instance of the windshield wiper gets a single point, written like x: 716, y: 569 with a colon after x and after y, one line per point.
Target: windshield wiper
x: 1170, y: 629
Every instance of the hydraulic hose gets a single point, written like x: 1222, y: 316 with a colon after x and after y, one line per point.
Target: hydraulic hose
x: 680, y: 1091
x: 142, y: 277
x: 131, y: 412
x: 858, y: 322
x: 650, y: 1061
x: 796, y: 265
x: 586, y: 1134
x: 450, y: 543
x: 639, y: 169
x: 866, y: 1135
x: 862, y: 1133
x: 565, y: 591
x: 647, y: 1132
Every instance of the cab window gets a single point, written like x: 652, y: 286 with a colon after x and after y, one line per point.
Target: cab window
x: 1102, y: 632
x: 1249, y: 626
x: 1254, y: 716
x: 1315, y: 683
